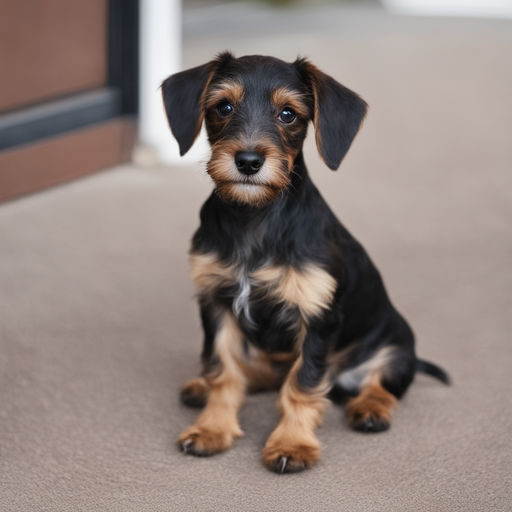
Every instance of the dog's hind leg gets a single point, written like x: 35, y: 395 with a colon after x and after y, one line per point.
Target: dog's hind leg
x: 371, y: 410
x: 263, y: 372
x: 194, y: 393
x: 380, y: 380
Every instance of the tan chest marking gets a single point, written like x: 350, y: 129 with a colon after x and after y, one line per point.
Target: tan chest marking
x: 310, y: 288
x: 208, y: 273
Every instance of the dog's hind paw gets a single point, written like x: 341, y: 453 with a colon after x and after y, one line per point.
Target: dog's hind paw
x: 195, y: 393
x: 371, y: 411
x: 370, y: 424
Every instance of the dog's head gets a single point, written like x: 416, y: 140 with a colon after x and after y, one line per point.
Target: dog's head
x: 256, y: 110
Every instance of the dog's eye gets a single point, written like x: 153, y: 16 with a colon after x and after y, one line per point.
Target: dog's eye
x: 224, y: 109
x: 287, y: 116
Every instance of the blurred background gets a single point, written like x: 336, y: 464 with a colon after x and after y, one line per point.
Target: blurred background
x: 98, y: 321
x: 79, y: 81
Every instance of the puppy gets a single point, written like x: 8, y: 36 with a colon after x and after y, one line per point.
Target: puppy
x: 289, y: 299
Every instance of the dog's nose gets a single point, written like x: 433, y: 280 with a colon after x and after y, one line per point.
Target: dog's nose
x: 249, y: 162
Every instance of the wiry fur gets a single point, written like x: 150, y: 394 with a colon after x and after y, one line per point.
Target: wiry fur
x: 288, y: 298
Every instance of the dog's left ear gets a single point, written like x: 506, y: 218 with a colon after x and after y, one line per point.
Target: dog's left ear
x: 337, y: 116
x: 182, y: 95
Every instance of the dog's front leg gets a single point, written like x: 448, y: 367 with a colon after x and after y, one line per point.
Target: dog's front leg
x: 293, y: 445
x: 217, y: 425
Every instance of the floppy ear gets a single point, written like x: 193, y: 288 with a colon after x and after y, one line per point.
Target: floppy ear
x: 182, y: 95
x: 338, y: 114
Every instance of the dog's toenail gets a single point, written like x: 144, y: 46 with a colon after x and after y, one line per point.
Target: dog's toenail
x: 185, y: 445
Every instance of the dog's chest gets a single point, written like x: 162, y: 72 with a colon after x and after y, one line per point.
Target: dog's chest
x: 272, y: 302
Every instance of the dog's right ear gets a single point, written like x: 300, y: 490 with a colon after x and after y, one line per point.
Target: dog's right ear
x: 182, y: 95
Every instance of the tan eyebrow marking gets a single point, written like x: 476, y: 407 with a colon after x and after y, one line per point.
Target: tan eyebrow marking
x: 284, y: 97
x: 230, y: 91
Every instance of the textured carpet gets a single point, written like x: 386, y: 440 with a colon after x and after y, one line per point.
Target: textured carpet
x: 99, y: 327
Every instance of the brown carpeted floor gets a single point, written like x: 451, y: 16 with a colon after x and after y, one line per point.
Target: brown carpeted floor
x: 99, y: 327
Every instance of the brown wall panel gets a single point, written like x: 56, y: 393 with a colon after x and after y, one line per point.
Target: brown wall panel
x: 50, y: 48
x: 36, y: 166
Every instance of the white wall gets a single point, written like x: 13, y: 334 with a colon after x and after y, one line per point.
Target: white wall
x: 478, y: 8
x: 160, y: 56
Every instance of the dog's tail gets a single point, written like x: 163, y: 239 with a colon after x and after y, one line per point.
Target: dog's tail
x: 433, y: 370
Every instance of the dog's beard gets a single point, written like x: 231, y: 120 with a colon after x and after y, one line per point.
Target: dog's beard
x: 256, y: 190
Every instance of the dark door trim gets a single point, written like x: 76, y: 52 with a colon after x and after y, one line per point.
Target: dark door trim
x: 123, y: 52
x: 57, y: 117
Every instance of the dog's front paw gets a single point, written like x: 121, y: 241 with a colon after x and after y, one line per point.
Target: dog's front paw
x: 204, y: 441
x: 286, y: 455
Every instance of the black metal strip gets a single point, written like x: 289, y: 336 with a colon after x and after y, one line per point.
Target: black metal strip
x: 57, y: 117
x: 123, y: 51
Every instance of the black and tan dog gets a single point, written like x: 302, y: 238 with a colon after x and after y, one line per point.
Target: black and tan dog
x: 288, y: 298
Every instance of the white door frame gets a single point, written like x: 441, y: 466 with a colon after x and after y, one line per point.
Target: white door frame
x: 159, y: 57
